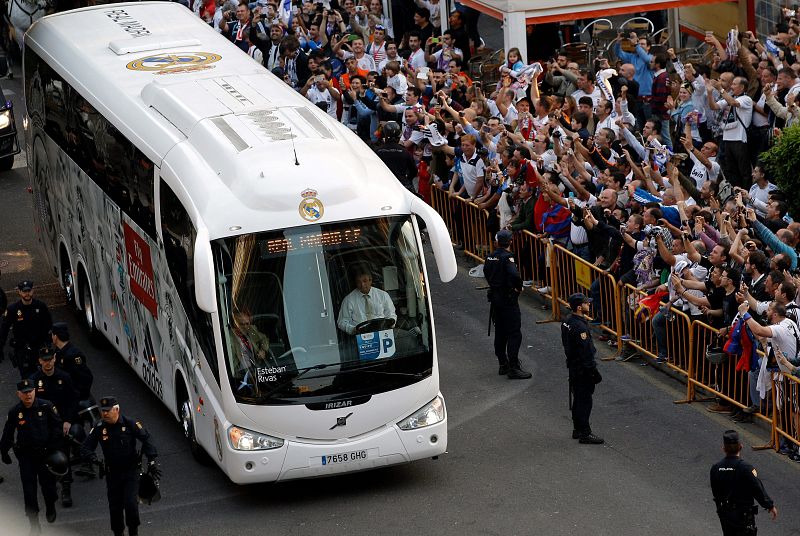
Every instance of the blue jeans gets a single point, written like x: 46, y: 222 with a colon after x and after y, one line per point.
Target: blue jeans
x: 660, y: 330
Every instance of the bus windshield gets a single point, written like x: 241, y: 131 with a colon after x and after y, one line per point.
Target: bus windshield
x: 323, y: 312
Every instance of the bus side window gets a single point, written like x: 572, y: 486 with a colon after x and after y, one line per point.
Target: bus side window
x: 179, y: 237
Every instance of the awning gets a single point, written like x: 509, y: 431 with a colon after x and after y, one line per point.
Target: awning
x: 541, y: 11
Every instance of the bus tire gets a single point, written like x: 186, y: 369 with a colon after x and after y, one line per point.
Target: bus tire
x: 86, y: 309
x: 7, y: 162
x: 186, y: 417
x: 67, y: 278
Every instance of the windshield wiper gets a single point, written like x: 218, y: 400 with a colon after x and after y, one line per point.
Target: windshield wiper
x: 367, y: 368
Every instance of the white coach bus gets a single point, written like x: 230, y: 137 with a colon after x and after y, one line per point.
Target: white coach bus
x: 212, y: 224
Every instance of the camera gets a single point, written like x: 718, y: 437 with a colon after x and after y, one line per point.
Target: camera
x: 557, y: 134
x: 360, y: 9
x: 652, y: 231
x: 483, y: 152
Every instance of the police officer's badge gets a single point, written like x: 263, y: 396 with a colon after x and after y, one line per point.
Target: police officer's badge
x: 78, y: 360
x: 59, y: 382
x: 511, y: 260
x: 138, y: 425
x: 584, y: 335
x: 20, y: 416
x: 755, y: 473
x: 41, y: 383
x: 40, y: 414
x: 123, y: 428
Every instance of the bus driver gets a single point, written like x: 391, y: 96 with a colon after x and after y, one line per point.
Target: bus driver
x: 364, y: 303
x: 254, y: 345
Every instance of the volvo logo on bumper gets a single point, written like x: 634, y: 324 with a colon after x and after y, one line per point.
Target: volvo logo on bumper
x: 341, y: 421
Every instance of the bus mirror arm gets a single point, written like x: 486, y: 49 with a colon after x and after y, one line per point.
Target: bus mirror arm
x: 440, y: 239
x: 205, y: 289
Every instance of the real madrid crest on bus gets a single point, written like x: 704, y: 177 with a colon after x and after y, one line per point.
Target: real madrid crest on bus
x: 311, y: 208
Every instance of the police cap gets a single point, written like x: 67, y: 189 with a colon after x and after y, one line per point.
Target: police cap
x: 25, y: 386
x: 46, y: 354
x: 730, y: 437
x: 108, y: 402
x: 24, y: 285
x: 503, y: 238
x: 577, y: 299
x: 60, y: 330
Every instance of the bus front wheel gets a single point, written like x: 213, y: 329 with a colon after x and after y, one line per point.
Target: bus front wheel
x: 187, y: 423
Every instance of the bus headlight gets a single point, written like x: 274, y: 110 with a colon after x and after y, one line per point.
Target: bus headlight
x: 430, y: 413
x: 5, y: 119
x: 244, y: 439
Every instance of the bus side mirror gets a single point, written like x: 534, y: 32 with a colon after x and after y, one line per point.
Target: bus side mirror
x: 205, y: 289
x: 440, y: 239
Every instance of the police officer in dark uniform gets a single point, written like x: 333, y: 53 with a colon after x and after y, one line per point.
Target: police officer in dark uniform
x: 583, y: 373
x: 735, y: 485
x: 72, y: 360
x: 117, y: 436
x: 396, y: 157
x: 56, y: 386
x: 30, y: 319
x: 505, y: 284
x: 38, y: 430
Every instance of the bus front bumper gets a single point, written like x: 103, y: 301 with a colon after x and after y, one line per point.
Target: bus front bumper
x: 296, y: 459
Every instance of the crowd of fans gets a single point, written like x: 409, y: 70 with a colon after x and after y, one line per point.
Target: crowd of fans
x: 644, y: 165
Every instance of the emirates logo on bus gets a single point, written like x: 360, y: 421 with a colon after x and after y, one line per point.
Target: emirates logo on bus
x: 140, y: 269
x: 178, y: 62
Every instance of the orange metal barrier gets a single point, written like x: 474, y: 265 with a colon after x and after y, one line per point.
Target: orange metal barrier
x: 468, y: 224
x: 723, y: 381
x: 443, y: 203
x: 478, y: 241
x: 573, y: 274
x: 642, y: 335
x: 532, y: 256
x: 786, y: 394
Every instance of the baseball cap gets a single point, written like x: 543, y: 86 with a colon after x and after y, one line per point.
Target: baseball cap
x: 25, y: 386
x: 25, y: 284
x: 108, y: 402
x: 577, y: 299
x: 46, y: 353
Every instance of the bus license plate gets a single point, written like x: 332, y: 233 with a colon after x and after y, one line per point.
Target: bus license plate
x: 345, y: 457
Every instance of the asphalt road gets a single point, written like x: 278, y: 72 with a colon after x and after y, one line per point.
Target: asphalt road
x: 511, y: 466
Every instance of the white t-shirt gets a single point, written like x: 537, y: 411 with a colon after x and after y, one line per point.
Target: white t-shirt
x: 595, y: 95
x: 736, y: 119
x: 784, y: 337
x: 417, y: 59
x: 701, y: 173
x: 472, y: 169
x: 315, y: 95
x: 366, y: 62
x: 577, y: 234
x: 761, y: 194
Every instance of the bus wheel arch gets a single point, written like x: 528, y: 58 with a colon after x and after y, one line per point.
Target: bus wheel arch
x: 183, y: 404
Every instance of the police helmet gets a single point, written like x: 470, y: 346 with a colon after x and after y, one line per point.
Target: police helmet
x: 391, y: 131
x: 57, y: 463
x: 149, y: 491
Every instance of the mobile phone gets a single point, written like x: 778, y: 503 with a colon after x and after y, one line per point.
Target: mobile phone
x: 435, y: 40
